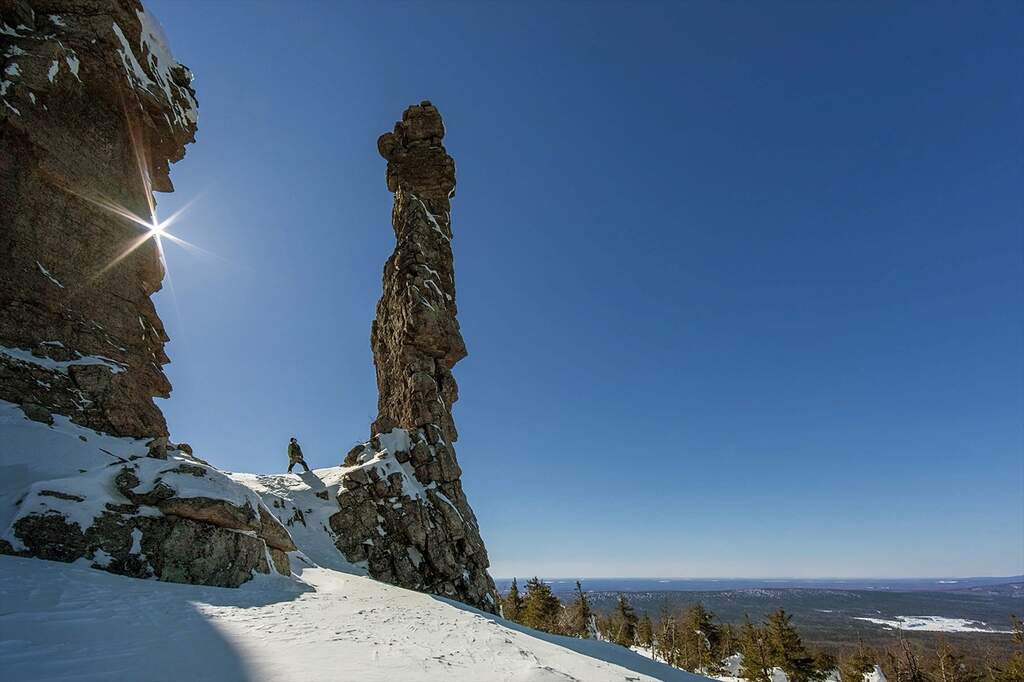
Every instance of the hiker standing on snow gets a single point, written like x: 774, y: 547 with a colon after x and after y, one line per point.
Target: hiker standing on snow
x: 295, y: 455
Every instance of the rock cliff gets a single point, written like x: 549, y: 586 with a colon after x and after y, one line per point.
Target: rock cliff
x: 93, y: 111
x: 403, y: 510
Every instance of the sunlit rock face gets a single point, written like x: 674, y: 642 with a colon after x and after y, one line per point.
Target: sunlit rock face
x: 93, y: 111
x: 403, y: 510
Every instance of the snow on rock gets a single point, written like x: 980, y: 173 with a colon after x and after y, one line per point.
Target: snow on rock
x: 26, y: 356
x: 403, y: 510
x: 63, y: 622
x: 69, y: 493
x: 304, y: 504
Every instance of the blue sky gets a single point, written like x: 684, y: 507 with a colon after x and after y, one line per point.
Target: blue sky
x: 741, y: 283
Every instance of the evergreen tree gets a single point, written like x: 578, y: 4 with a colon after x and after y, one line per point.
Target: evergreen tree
x: 541, y: 608
x: 788, y: 651
x: 645, y: 632
x: 578, y: 616
x: 903, y: 662
x: 757, y: 655
x: 853, y: 667
x: 728, y: 642
x: 1013, y: 669
x: 625, y: 623
x: 950, y: 665
x: 512, y: 604
x: 667, y: 641
x: 700, y: 641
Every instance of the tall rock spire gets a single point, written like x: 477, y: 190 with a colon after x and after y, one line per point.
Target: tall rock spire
x: 403, y: 508
x: 415, y: 338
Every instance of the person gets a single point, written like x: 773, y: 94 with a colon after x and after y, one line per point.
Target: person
x: 295, y: 455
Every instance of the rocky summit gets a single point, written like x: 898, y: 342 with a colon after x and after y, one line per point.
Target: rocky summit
x: 94, y: 110
x: 403, y: 509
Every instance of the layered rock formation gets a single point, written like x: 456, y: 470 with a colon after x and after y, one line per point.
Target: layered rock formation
x: 93, y: 111
x: 403, y: 510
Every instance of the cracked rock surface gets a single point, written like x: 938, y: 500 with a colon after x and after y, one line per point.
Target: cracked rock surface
x: 403, y: 510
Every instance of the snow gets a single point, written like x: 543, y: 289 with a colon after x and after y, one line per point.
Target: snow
x: 933, y: 624
x: 285, y: 494
x: 54, y: 68
x: 131, y: 64
x: 328, y: 621
x: 160, y: 62
x: 61, y: 366
x: 154, y: 45
x: 431, y: 217
x: 69, y: 449
x: 46, y: 273
x: 73, y: 63
x: 63, y: 622
x: 396, y: 440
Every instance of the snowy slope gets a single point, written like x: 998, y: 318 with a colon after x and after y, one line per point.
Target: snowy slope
x: 63, y: 622
x: 293, y: 499
x: 328, y: 621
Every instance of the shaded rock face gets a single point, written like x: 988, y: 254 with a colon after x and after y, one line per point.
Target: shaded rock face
x: 403, y: 510
x: 93, y: 111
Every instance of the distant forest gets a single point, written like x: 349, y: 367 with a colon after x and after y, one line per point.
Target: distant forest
x: 693, y: 639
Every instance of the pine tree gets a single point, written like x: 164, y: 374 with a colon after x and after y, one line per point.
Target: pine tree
x: 667, y: 641
x: 788, y: 651
x: 853, y: 667
x: 512, y: 604
x: 1013, y: 669
x: 645, y: 632
x: 950, y: 665
x: 578, y: 616
x: 541, y: 608
x: 728, y: 642
x: 700, y: 641
x: 757, y: 656
x: 903, y: 662
x: 626, y: 621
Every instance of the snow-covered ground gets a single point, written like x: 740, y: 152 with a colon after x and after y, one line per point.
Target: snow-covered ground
x: 731, y: 670
x: 933, y: 624
x: 328, y: 621
x: 70, y: 622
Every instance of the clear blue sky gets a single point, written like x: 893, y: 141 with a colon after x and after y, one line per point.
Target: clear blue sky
x: 741, y: 283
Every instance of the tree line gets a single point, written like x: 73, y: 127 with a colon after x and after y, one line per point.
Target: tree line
x: 693, y: 640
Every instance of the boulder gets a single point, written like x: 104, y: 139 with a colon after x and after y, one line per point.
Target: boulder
x: 214, y: 511
x: 274, y: 534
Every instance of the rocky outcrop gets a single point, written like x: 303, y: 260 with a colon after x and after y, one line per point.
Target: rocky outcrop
x: 403, y: 510
x: 93, y: 109
x: 174, y: 519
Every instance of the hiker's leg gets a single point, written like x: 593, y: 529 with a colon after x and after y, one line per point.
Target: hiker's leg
x: 290, y: 465
x: 305, y: 466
